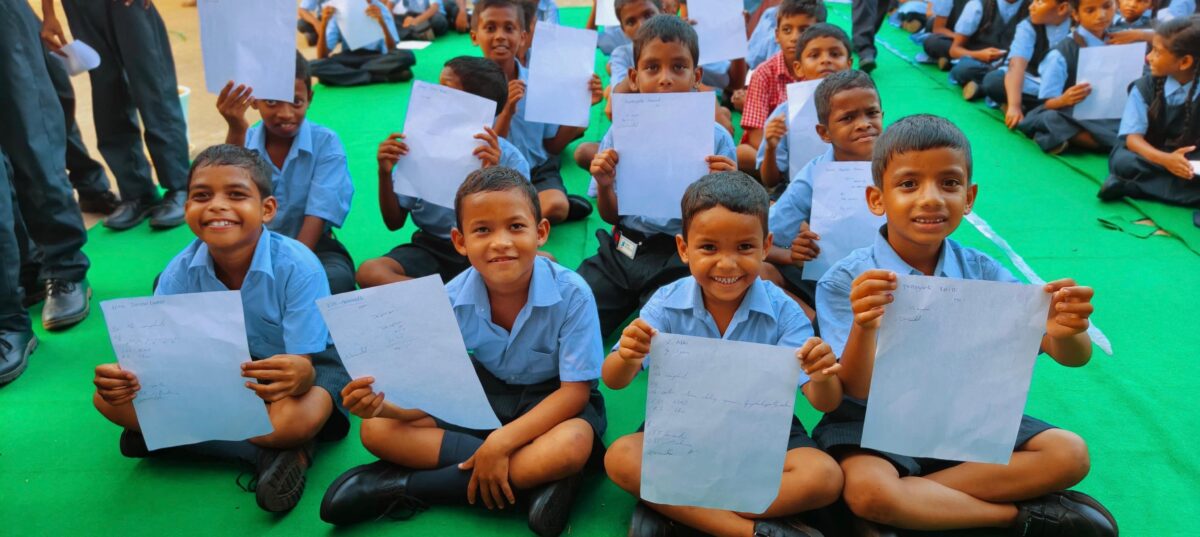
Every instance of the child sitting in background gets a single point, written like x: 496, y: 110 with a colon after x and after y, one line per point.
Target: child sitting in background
x: 372, y: 63
x: 1017, y: 85
x: 982, y: 36
x: 419, y: 19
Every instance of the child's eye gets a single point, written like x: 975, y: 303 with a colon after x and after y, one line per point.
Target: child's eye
x: 708, y: 247
x: 237, y: 195
x: 199, y: 196
x: 745, y: 246
x: 517, y: 227
x: 480, y: 229
x: 951, y: 183
x: 907, y: 183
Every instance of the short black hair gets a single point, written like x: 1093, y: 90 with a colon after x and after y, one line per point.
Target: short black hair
x: 303, y: 72
x: 518, y: 5
x: 668, y: 29
x: 819, y: 30
x: 920, y: 132
x: 529, y: 9
x: 835, y: 84
x: 732, y: 190
x: 812, y: 8
x: 496, y: 179
x: 482, y: 77
x: 237, y: 157
x: 618, y: 5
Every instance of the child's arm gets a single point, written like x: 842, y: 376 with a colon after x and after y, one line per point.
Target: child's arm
x: 1071, y: 97
x: 1014, y: 81
x: 604, y: 171
x: 774, y: 132
x: 423, y: 16
x: 566, y: 135
x: 823, y: 389
x: 390, y: 152
x: 1130, y: 36
x: 52, y: 31
x: 869, y: 294
x: 804, y: 249
x: 232, y: 104
x: 939, y: 27
x: 591, y: 20
x: 307, y: 16
x: 322, y: 43
x: 374, y: 12
x: 959, y: 50
x: 516, y: 92
x: 622, y: 365
x: 311, y: 230
x: 1176, y: 162
x: 115, y: 385
x: 289, y: 374
x: 1066, y: 338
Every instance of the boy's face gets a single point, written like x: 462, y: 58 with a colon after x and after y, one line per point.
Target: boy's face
x: 664, y: 68
x: 925, y: 195
x: 787, y: 32
x: 670, y: 7
x: 855, y: 121
x: 1049, y: 12
x: 822, y: 57
x: 1163, y: 62
x: 284, y: 119
x: 724, y: 251
x: 1132, y: 9
x: 224, y: 207
x: 498, y: 33
x: 450, y: 79
x: 632, y: 16
x: 1095, y: 15
x: 500, y: 236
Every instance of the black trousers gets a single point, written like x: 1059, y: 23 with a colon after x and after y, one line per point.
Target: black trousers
x: 356, y: 68
x: 622, y: 285
x: 866, y: 18
x: 1146, y: 180
x: 86, y: 175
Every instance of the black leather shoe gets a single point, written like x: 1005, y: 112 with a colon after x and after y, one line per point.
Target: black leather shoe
x: 867, y: 64
x: 133, y: 444
x: 169, y: 212
x: 66, y: 304
x: 370, y: 492
x: 647, y: 522
x: 784, y: 527
x: 15, y: 348
x: 98, y: 202
x: 1064, y: 513
x: 128, y: 214
x: 579, y: 207
x: 282, y: 475
x: 550, y: 505
x: 1113, y: 189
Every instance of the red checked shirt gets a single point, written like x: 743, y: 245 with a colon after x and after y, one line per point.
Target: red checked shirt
x: 768, y: 89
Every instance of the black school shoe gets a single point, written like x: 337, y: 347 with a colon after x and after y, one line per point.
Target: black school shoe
x: 370, y: 492
x: 1066, y: 513
x: 104, y: 202
x: 550, y: 505
x: 133, y: 444
x: 15, y: 348
x: 169, y: 212
x: 281, y: 477
x: 647, y: 522
x: 579, y: 207
x: 129, y: 213
x: 866, y: 64
x: 67, y: 303
x: 784, y: 527
x: 1113, y: 189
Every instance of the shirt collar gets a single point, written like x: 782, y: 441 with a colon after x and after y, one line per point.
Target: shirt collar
x: 543, y: 289
x: 691, y: 297
x: 257, y: 140
x: 784, y: 70
x: 1089, y: 39
x: 887, y: 258
x: 261, y: 262
x: 1061, y: 29
x: 1173, y: 86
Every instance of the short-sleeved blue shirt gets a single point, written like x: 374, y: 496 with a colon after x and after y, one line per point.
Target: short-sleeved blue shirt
x: 1135, y: 121
x: 1023, y: 45
x: 795, y: 205
x: 314, y: 180
x: 547, y: 11
x: 972, y: 15
x: 762, y: 43
x: 619, y: 64
x: 782, y: 151
x: 1054, y: 67
x: 333, y: 35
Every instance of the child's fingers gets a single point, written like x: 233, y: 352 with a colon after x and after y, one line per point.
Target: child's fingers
x: 1055, y: 285
x: 267, y: 392
x: 867, y: 316
x: 874, y: 274
x: 871, y: 302
x: 472, y: 487
x: 103, y: 383
x: 1082, y: 309
x: 871, y: 288
x: 361, y: 382
x: 833, y: 369
x: 1072, y: 322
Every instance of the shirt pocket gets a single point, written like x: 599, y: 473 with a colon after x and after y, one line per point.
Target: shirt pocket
x: 539, y: 366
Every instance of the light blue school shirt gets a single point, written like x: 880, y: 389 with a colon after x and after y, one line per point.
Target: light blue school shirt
x: 556, y: 334
x: 834, y: 315
x: 611, y: 38
x: 795, y: 205
x: 619, y: 64
x: 313, y: 6
x: 722, y: 145
x: 529, y: 136
x: 1054, y: 66
x: 762, y: 43
x: 781, y: 150
x: 279, y: 293
x: 314, y: 180
x: 1144, y: 21
x: 333, y: 34
x: 547, y: 11
x: 1177, y: 8
x: 437, y: 220
x: 1134, y: 120
x: 766, y: 315
x: 416, y: 7
x: 942, y: 8
x: 972, y: 15
x: 1025, y: 41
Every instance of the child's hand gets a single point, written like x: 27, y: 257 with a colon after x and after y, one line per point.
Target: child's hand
x: 288, y: 374
x: 390, y: 151
x: 989, y: 55
x: 775, y: 130
x: 488, y: 154
x: 516, y: 92
x: 1013, y: 116
x: 804, y: 246
x: 232, y: 104
x: 408, y: 21
x: 361, y: 400
x: 374, y: 13
x: 52, y: 34
x: 870, y: 292
x: 597, y: 89
x: 604, y: 167
x: 1125, y: 37
x: 115, y: 385
x: 1070, y: 308
x: 818, y: 360
x: 635, y: 341
x: 1076, y: 94
x: 1178, y: 164
x: 327, y: 15
x: 718, y: 163
x: 489, y: 480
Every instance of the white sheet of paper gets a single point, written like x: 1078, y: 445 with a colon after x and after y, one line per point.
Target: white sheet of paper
x: 803, y: 142
x: 1109, y: 69
x: 440, y: 131
x: 721, y: 28
x: 661, y: 140
x: 840, y: 214
x: 413, y: 45
x: 406, y: 336
x: 718, y: 416
x: 250, y: 42
x: 1195, y: 167
x: 187, y: 351
x: 952, y: 368
x: 356, y: 27
x: 606, y: 13
x: 77, y: 57
x: 560, y: 68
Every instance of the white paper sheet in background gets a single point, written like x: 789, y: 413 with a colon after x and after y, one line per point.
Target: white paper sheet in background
x: 952, y: 368
x: 1195, y: 167
x: 1109, y: 69
x: 250, y: 42
x: 839, y: 214
x: 560, y: 68
x: 721, y: 27
x: 718, y: 417
x: 661, y: 141
x: 803, y: 142
x: 77, y: 57
x: 186, y: 351
x: 406, y: 336
x: 606, y: 13
x: 440, y: 130
x: 413, y: 45
x: 356, y: 27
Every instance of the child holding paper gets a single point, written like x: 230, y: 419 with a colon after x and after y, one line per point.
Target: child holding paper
x: 922, y: 183
x: 309, y: 173
x: 295, y: 369
x: 1051, y: 124
x: 1017, y: 85
x: 1156, y: 159
x: 500, y: 31
x: 640, y: 256
x: 420, y: 19
x: 724, y: 243
x: 982, y: 35
x: 849, y: 118
x: 531, y: 327
x: 370, y: 63
x: 329, y: 34
x: 430, y: 250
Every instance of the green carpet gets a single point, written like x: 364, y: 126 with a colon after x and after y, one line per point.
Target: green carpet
x: 61, y: 472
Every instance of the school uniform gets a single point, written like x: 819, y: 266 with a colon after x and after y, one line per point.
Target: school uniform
x: 762, y: 43
x: 438, y: 23
x: 619, y: 64
x: 314, y: 7
x: 937, y: 46
x: 372, y: 63
x: 555, y: 339
x: 782, y: 154
x: 842, y: 428
x: 985, y: 29
x: 1052, y: 128
x: 530, y: 138
x: 1140, y: 178
x: 793, y: 208
x: 313, y: 181
x: 430, y: 250
x: 1178, y: 8
x: 622, y: 282
x: 1031, y: 42
x: 767, y: 90
x: 279, y: 297
x: 547, y: 11
x: 1144, y: 22
x: 610, y: 38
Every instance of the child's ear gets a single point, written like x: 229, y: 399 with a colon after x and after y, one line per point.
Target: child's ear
x: 699, y: 76
x: 543, y: 232
x: 681, y: 246
x: 972, y: 191
x: 270, y: 205
x: 1187, y: 62
x: 875, y: 200
x: 796, y: 69
x: 770, y: 241
x: 823, y: 132
x: 459, y: 240
x: 632, y: 81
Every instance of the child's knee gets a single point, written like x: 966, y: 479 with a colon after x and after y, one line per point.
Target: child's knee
x: 376, y: 435
x: 375, y: 270
x: 554, y: 205
x: 1067, y: 456
x: 623, y: 462
x: 823, y: 478
x: 872, y: 497
x: 575, y: 443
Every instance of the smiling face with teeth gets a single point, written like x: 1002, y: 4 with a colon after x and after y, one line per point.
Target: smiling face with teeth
x: 499, y: 32
x: 500, y: 236
x: 724, y: 250
x: 225, y: 209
